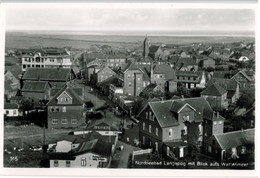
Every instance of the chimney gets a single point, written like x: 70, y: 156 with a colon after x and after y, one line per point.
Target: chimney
x: 217, y: 115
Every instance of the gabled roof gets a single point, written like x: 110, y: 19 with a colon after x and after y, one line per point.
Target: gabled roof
x: 111, y: 80
x: 228, y: 84
x: 236, y: 138
x: 9, y: 86
x: 35, y: 86
x: 244, y: 74
x: 47, y: 74
x: 186, y: 62
x: 11, y: 106
x: 150, y: 88
x: 153, y: 48
x: 105, y: 68
x: 15, y: 70
x: 130, y: 66
x: 214, y: 90
x: 178, y: 105
x: 165, y: 69
x: 166, y: 117
x: 76, y: 100
x: 113, y: 125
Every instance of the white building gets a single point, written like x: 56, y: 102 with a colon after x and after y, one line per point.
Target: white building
x: 11, y: 110
x: 46, y: 59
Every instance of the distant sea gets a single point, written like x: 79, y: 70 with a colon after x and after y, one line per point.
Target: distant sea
x: 149, y: 33
x: 84, y: 39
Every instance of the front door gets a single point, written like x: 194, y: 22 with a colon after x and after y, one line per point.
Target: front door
x: 181, y: 152
x: 156, y: 146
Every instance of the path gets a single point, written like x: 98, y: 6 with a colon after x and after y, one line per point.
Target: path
x: 124, y: 154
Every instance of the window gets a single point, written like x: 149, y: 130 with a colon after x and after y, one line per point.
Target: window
x: 156, y: 131
x: 138, y: 79
x: 57, y: 109
x: 143, y: 126
x: 150, y: 115
x: 150, y: 128
x: 83, y: 162
x: 56, y: 163
x: 7, y: 112
x: 215, y: 123
x: 24, y: 66
x: 185, y: 130
x: 73, y: 121
x: 128, y: 76
x: 209, y: 149
x: 67, y: 163
x: 54, y: 121
x: 146, y: 114
x: 144, y: 140
x: 213, y: 142
x: 63, y: 121
x: 32, y: 65
x: 194, y: 78
x: 51, y: 60
x: 170, y: 133
x: 153, y: 118
x: 14, y: 112
x: 66, y: 99
x: 64, y: 109
x: 130, y: 84
x: 220, y: 122
x: 168, y: 151
x: 158, y: 76
x: 206, y: 134
x: 52, y: 109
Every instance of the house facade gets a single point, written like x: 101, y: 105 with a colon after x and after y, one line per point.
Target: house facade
x: 131, y: 79
x: 245, y: 82
x: 87, y: 151
x: 232, y: 145
x: 216, y: 95
x: 191, y: 79
x: 169, y: 126
x: 45, y: 58
x: 66, y: 108
x: 11, y: 110
x: 103, y: 74
x: 36, y: 90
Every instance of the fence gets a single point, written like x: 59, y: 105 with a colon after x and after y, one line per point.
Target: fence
x: 140, y: 152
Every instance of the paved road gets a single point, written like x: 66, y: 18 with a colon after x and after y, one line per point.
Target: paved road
x: 124, y: 154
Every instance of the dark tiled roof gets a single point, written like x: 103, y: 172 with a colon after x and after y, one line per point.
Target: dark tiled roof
x: 11, y: 106
x: 130, y: 66
x: 113, y: 125
x: 236, y: 138
x: 228, y: 84
x: 35, y: 86
x: 163, y: 110
x: 76, y: 100
x: 186, y: 62
x: 77, y: 138
x: 153, y: 49
x: 165, y: 69
x: 9, y: 86
x: 214, y: 90
x: 15, y: 70
x: 150, y: 88
x: 224, y: 74
x: 48, y: 74
x: 146, y: 69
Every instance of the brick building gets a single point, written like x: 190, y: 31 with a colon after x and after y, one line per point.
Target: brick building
x: 168, y: 126
x: 66, y: 108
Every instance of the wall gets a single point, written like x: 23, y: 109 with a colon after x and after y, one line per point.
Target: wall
x: 71, y: 112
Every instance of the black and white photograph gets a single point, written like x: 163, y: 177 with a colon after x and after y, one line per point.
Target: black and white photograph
x: 129, y: 86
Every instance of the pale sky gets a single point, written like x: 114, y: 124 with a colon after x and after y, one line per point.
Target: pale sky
x: 117, y: 18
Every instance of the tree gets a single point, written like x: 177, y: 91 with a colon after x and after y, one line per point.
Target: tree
x: 195, y: 92
x: 26, y: 105
x: 89, y: 104
x: 247, y: 99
